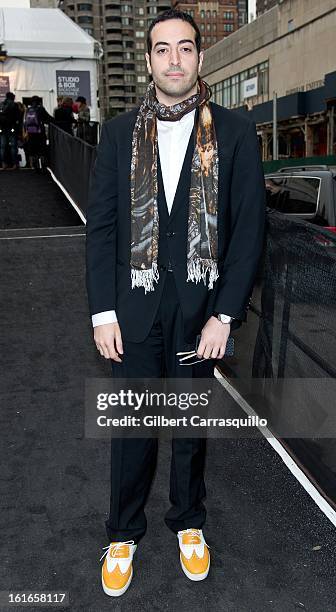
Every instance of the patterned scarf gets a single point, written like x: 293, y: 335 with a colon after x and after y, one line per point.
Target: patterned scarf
x: 202, y: 219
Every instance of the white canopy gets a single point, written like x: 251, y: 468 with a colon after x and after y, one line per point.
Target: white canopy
x: 27, y: 32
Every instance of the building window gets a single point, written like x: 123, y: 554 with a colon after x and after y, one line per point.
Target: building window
x: 235, y: 89
x: 126, y: 8
x: 263, y: 79
x: 242, y: 78
x: 139, y: 34
x: 88, y: 31
x: 141, y: 78
x: 218, y: 93
x: 252, y: 72
x: 126, y: 21
x: 228, y: 15
x: 140, y: 23
x: 228, y: 27
x: 214, y: 14
x: 227, y: 93
x: 84, y: 7
x: 139, y: 57
x: 139, y: 45
x: 152, y: 10
x: 140, y: 10
x: 202, y: 26
x: 85, y: 19
x: 202, y: 14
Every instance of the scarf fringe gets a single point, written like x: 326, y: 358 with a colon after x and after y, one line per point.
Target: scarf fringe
x: 145, y: 278
x: 198, y: 269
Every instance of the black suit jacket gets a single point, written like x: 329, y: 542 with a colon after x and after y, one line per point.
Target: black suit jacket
x: 241, y: 222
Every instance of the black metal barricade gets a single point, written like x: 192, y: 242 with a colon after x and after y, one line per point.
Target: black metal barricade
x: 289, y: 341
x: 71, y: 160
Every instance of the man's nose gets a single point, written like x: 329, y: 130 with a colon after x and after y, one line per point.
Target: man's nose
x: 175, y: 57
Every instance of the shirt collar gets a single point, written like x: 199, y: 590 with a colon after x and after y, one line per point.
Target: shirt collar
x: 188, y: 117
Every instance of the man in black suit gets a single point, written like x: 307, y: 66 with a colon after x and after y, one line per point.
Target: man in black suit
x: 175, y: 229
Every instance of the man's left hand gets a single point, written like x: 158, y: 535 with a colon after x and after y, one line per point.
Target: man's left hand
x: 213, y: 339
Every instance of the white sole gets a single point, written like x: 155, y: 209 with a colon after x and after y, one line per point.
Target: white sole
x: 195, y: 577
x: 117, y: 592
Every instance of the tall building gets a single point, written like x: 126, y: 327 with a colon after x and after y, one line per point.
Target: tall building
x: 265, y: 5
x: 216, y: 19
x: 121, y: 28
x: 287, y: 50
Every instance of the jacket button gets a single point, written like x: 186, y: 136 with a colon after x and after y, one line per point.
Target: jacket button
x: 170, y: 234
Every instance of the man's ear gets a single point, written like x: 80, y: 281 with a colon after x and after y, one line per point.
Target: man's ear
x: 148, y: 63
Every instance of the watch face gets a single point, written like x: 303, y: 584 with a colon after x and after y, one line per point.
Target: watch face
x: 225, y: 318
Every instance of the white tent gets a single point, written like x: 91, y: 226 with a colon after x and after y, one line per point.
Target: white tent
x: 48, y: 55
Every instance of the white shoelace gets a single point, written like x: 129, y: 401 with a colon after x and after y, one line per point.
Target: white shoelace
x: 114, y: 548
x: 195, y: 532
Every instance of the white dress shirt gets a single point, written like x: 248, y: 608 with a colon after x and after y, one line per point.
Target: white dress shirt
x: 173, y: 139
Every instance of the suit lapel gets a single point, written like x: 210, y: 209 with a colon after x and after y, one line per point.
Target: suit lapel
x: 162, y: 202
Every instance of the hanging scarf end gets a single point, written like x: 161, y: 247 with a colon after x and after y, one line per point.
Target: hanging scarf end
x: 197, y: 271
x: 145, y: 278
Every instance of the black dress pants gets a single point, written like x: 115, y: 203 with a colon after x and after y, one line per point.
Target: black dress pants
x: 133, y: 460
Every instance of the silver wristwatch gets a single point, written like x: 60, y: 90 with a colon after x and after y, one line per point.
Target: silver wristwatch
x: 224, y: 318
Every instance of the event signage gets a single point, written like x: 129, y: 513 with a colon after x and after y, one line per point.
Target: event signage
x: 250, y: 87
x: 74, y: 83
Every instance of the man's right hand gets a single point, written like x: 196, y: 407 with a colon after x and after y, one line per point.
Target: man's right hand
x: 108, y: 341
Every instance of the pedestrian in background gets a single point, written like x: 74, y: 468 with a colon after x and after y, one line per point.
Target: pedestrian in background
x: 36, y: 118
x: 10, y: 117
x: 83, y: 119
x: 64, y: 117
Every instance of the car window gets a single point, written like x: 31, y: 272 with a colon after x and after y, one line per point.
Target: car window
x: 296, y: 195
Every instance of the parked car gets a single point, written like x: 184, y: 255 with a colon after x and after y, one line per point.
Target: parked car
x: 306, y: 192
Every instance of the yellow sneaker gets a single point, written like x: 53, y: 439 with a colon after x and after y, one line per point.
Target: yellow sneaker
x: 194, y: 554
x: 117, y: 570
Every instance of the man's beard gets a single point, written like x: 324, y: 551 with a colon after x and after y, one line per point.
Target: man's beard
x: 179, y: 88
